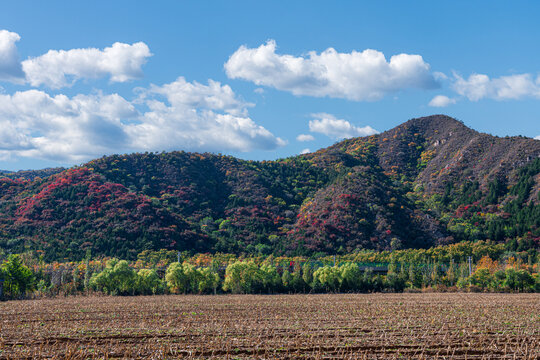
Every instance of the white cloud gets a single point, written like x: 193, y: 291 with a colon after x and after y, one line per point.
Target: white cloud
x: 259, y: 91
x: 215, y: 96
x: 358, y: 76
x: 63, y: 128
x: 480, y: 86
x: 10, y: 67
x: 199, y: 117
x: 59, y: 68
x: 305, y: 137
x: 441, y: 101
x: 305, y: 151
x: 179, y: 115
x: 328, y: 125
x: 538, y: 137
x: 439, y: 75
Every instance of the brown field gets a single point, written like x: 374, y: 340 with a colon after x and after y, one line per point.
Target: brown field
x: 368, y: 326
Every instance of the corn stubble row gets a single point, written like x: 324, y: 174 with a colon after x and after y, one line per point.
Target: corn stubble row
x: 347, y: 326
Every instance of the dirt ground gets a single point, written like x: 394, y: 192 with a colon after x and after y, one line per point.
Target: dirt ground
x: 345, y: 326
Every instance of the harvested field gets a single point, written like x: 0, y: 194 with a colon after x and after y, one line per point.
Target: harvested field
x: 355, y: 326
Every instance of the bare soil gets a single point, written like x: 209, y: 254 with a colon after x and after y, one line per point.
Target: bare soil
x: 346, y: 326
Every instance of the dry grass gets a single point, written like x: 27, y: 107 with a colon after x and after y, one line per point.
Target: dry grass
x: 374, y: 326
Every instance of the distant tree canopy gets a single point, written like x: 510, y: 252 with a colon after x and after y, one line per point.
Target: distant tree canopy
x: 445, y: 268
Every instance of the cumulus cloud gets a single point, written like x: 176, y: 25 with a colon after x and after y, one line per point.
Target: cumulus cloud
x: 179, y: 115
x: 10, y: 66
x: 330, y: 126
x: 305, y: 151
x: 441, y: 101
x: 359, y: 76
x: 199, y: 117
x: 215, y: 96
x: 538, y: 137
x: 62, y: 128
x: 60, y: 68
x: 480, y: 86
x: 305, y: 137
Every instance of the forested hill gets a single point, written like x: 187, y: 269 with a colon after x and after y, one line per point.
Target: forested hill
x: 427, y: 182
x: 30, y: 174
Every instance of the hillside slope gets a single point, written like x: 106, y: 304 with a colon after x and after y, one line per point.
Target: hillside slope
x: 30, y: 174
x: 428, y: 181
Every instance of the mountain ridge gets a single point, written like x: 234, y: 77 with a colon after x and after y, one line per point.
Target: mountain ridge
x: 415, y: 185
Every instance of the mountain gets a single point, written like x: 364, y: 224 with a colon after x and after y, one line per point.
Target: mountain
x: 30, y: 174
x: 427, y: 182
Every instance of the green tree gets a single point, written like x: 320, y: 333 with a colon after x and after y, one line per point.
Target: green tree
x: 125, y: 278
x: 286, y: 280
x: 176, y: 280
x: 297, y: 281
x: 482, y: 278
x: 208, y: 281
x: 525, y: 280
x: 415, y: 276
x: 351, y: 277
x: 367, y: 279
x: 451, y: 277
x: 328, y: 277
x: 193, y: 277
x: 18, y: 279
x: 270, y: 277
x: 87, y: 274
x: 148, y: 282
x: 498, y: 280
x: 243, y: 277
x: 435, y: 278
x: 395, y: 280
x: 307, y: 274
x: 537, y: 283
x: 117, y: 279
x: 511, y: 281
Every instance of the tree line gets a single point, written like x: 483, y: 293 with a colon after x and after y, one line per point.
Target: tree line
x: 262, y: 276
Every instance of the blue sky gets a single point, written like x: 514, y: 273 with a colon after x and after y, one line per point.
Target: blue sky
x: 257, y: 80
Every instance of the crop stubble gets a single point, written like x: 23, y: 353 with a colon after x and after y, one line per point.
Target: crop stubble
x: 356, y: 326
